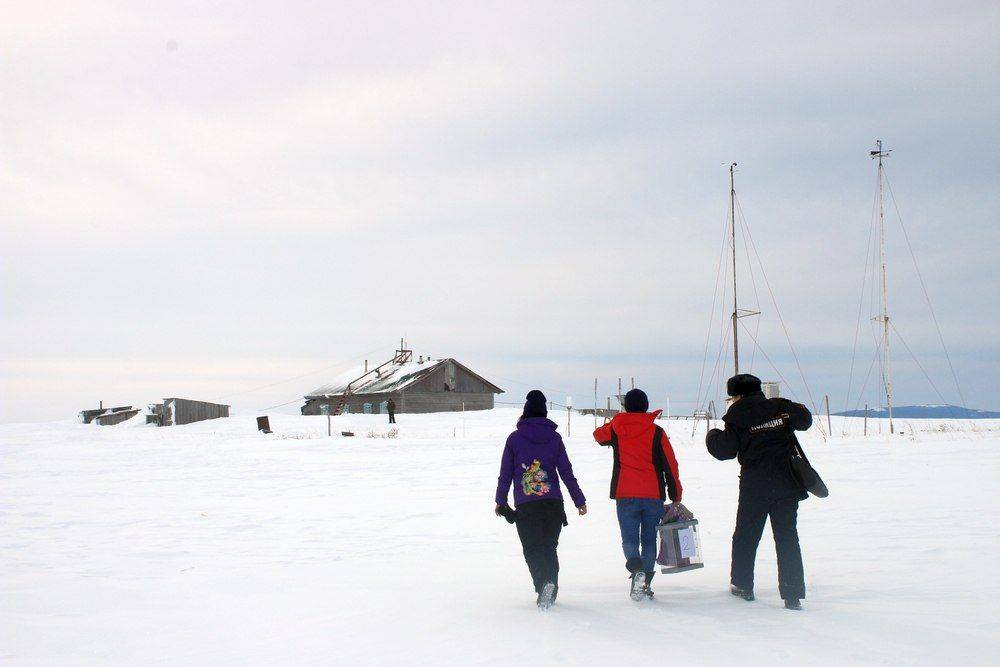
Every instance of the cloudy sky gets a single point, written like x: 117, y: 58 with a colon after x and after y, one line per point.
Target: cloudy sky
x: 220, y: 201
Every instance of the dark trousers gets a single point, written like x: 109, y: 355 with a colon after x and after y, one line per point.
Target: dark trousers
x: 538, y: 525
x: 392, y: 417
x: 750, y: 518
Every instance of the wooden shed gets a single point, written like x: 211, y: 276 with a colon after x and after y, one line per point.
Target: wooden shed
x: 108, y: 416
x: 414, y: 385
x: 177, y: 411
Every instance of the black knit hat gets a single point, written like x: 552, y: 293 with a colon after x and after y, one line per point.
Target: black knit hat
x: 743, y: 384
x: 535, y: 406
x: 636, y: 401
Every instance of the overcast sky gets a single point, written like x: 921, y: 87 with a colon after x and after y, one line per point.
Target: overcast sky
x: 199, y: 199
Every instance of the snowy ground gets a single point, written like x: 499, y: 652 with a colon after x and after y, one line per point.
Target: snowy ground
x: 210, y: 543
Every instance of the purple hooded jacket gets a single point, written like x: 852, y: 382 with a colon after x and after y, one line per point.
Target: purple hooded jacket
x: 533, y: 459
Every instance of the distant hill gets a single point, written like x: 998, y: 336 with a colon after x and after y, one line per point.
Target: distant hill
x: 925, y: 412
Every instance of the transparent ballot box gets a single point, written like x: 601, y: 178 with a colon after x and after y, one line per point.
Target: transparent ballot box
x: 680, y: 547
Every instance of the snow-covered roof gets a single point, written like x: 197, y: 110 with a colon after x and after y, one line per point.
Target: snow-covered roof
x: 392, y: 377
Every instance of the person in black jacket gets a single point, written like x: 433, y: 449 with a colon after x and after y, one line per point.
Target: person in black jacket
x: 390, y: 407
x: 759, y: 433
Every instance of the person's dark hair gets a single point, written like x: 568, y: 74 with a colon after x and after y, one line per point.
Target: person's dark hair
x: 636, y: 401
x: 743, y: 384
x: 534, y: 405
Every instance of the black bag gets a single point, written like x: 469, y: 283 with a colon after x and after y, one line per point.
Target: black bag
x: 804, y: 473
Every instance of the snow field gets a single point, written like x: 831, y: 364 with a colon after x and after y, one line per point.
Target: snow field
x: 211, y: 543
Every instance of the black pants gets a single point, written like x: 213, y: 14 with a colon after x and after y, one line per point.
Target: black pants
x: 392, y: 417
x: 750, y: 518
x: 538, y: 525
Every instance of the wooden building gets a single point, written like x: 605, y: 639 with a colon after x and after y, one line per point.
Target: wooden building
x: 177, y: 411
x: 421, y: 385
x: 108, y: 416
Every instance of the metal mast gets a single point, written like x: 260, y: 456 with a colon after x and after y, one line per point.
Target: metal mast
x: 732, y: 226
x: 878, y: 154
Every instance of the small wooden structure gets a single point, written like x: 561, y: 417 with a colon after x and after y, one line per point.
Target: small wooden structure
x: 178, y: 411
x: 108, y: 416
x: 421, y: 385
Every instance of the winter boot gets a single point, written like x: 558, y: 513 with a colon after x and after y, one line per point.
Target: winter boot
x: 740, y: 593
x: 649, y: 585
x: 793, y: 604
x: 546, y: 596
x: 639, y: 587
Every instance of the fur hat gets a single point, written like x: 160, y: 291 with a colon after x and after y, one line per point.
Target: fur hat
x: 743, y: 384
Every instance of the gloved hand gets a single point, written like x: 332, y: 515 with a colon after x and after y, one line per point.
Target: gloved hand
x: 676, y: 512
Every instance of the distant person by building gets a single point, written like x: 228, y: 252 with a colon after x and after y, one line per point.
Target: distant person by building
x: 759, y: 432
x: 644, y: 474
x: 534, y: 459
x: 390, y: 407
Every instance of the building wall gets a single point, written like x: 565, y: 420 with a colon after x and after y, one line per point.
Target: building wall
x: 444, y: 401
x: 353, y: 405
x: 406, y: 402
x: 115, y: 417
x: 450, y: 378
x: 186, y: 411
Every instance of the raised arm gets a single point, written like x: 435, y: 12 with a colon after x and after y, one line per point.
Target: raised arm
x: 799, y: 416
x: 605, y: 435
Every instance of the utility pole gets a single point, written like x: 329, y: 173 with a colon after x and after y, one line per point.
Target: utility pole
x: 878, y: 154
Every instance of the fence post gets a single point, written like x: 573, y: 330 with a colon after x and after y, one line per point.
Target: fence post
x: 828, y: 423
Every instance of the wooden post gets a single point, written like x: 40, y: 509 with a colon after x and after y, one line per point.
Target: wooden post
x: 632, y: 380
x: 619, y: 390
x: 866, y: 419
x: 463, y: 419
x: 668, y: 407
x: 329, y: 426
x: 829, y: 427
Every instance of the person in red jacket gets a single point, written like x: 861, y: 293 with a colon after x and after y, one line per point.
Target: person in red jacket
x: 644, y: 475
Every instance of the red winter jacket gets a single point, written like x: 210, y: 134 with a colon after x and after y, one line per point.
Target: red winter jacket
x: 644, y: 460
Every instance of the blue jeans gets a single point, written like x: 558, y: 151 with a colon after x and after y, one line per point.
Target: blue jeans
x: 638, y: 518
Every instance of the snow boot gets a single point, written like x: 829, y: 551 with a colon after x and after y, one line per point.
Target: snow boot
x: 649, y: 585
x: 639, y: 586
x: 793, y: 604
x: 740, y: 593
x: 546, y: 596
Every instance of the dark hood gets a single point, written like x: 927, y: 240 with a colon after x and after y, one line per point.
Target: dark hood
x: 537, y: 429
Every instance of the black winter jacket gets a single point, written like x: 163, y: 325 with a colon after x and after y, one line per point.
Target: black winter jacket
x: 760, y: 434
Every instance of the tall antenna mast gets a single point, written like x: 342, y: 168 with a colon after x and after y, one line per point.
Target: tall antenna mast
x: 737, y: 312
x: 732, y: 227
x: 878, y: 154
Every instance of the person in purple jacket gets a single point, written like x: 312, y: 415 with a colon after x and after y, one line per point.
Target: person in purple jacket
x: 533, y: 459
